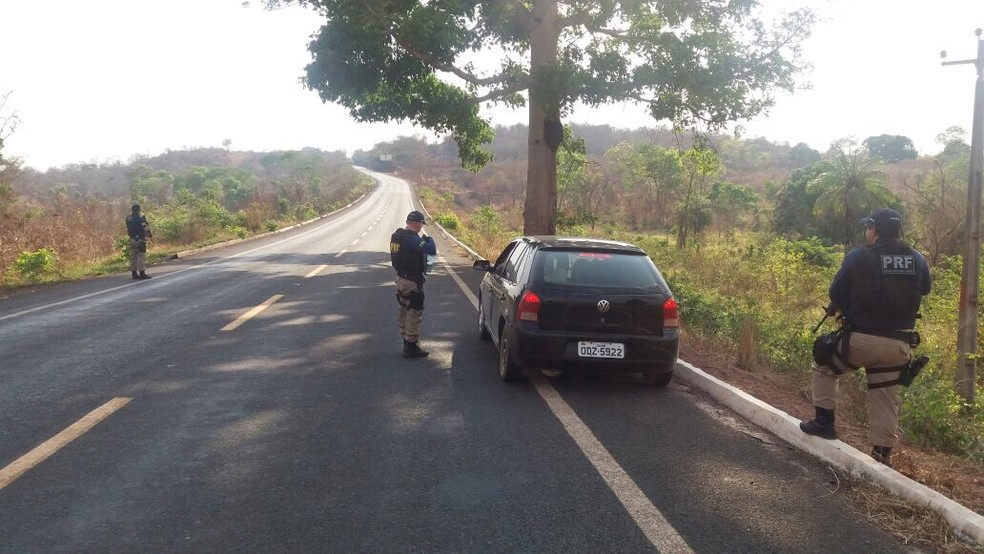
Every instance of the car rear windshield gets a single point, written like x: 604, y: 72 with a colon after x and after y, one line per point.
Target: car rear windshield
x: 597, y: 269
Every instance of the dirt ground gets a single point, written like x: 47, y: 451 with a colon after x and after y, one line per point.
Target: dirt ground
x: 961, y: 480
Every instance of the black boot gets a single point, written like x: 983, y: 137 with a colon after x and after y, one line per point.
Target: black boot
x: 882, y: 454
x: 134, y: 274
x: 822, y: 426
x: 144, y: 275
x: 412, y: 350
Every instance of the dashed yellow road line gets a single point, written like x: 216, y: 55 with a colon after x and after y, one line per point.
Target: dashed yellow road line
x: 315, y: 271
x: 252, y: 313
x: 43, y: 451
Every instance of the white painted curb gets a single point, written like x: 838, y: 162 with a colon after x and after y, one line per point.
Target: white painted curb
x: 964, y: 521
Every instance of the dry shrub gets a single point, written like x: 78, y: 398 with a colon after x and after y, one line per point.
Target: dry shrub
x: 79, y: 230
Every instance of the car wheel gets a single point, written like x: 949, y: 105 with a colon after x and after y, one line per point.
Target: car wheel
x: 657, y: 378
x: 509, y: 371
x: 483, y: 331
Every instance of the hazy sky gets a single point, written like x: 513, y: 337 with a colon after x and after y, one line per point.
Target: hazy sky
x: 102, y: 80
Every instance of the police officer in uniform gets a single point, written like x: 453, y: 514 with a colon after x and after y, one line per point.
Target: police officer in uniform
x: 408, y: 252
x: 139, y: 231
x: 877, y: 290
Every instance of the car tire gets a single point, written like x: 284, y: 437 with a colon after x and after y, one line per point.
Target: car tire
x: 509, y: 370
x: 656, y: 377
x: 483, y: 331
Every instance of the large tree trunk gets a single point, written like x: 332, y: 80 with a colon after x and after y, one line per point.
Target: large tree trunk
x: 541, y: 173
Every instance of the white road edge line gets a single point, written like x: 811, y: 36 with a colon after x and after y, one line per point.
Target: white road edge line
x: 650, y: 520
x: 44, y: 450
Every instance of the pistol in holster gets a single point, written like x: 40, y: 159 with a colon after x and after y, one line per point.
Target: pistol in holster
x: 910, y: 371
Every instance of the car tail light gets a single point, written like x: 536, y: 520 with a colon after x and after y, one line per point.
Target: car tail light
x: 671, y: 316
x: 529, y: 307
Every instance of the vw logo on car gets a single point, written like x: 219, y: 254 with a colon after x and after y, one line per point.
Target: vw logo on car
x: 604, y: 306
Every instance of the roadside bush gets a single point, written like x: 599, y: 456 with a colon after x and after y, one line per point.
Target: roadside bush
x: 933, y: 415
x: 486, y: 219
x: 34, y: 265
x: 239, y: 232
x: 122, y: 246
x: 449, y: 221
x: 812, y: 251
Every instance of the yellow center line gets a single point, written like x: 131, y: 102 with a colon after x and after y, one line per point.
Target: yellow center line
x: 40, y: 453
x: 340, y: 253
x: 315, y: 271
x: 252, y: 313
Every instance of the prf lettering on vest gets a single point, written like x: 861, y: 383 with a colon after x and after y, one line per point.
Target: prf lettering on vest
x: 898, y: 265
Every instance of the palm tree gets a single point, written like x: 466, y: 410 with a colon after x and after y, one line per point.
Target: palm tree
x: 850, y: 185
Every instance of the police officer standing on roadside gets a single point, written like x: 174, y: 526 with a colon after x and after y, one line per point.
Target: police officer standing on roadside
x: 877, y: 290
x: 139, y: 231
x: 408, y: 252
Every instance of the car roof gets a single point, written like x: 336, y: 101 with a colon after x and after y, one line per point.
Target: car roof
x: 582, y: 243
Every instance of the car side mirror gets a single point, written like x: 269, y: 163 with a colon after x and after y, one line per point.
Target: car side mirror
x: 482, y: 265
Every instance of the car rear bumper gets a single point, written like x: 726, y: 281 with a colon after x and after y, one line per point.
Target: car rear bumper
x: 533, y: 348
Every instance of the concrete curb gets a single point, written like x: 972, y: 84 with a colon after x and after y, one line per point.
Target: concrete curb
x: 964, y: 521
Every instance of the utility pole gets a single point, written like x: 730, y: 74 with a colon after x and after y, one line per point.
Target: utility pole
x: 965, y: 375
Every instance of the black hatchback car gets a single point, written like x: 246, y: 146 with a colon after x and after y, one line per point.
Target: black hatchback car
x: 564, y: 303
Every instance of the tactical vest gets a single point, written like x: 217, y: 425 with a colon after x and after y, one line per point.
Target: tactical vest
x: 135, y: 226
x: 884, y: 292
x: 406, y: 262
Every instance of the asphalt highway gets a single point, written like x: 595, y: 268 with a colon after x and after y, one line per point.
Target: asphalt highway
x: 253, y: 398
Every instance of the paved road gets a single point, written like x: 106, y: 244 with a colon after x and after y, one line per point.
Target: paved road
x: 177, y: 415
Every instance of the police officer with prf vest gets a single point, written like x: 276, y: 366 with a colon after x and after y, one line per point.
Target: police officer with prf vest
x: 138, y: 231
x: 877, y: 290
x: 408, y: 252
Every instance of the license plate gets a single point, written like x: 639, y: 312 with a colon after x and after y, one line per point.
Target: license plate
x: 589, y: 349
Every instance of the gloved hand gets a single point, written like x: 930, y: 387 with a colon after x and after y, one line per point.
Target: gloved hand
x: 830, y: 310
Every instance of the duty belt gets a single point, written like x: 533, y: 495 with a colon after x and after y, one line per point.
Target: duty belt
x: 897, y: 335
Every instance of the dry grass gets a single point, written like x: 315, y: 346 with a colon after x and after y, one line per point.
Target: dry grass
x: 918, y: 526
x: 80, y: 232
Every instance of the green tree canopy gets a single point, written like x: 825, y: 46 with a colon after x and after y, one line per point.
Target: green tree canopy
x: 695, y: 63
x: 850, y: 185
x: 802, y: 155
x: 794, y: 201
x: 890, y: 148
x: 954, y: 141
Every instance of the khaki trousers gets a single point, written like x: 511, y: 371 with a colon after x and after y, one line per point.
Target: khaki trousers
x: 409, y: 317
x: 883, y: 403
x: 138, y: 260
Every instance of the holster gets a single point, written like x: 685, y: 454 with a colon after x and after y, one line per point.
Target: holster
x: 825, y: 347
x: 910, y: 371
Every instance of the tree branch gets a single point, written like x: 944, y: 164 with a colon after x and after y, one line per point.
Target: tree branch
x: 430, y: 60
x: 518, y: 86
